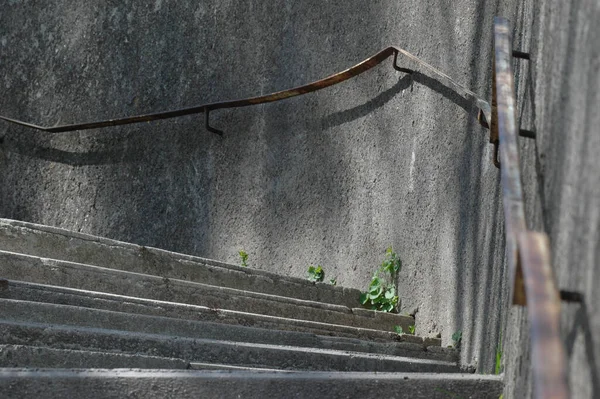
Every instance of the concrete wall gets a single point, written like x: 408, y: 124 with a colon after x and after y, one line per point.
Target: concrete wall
x: 558, y: 96
x: 331, y: 178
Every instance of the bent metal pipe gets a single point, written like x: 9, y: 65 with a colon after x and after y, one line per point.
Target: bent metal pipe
x: 369, y: 63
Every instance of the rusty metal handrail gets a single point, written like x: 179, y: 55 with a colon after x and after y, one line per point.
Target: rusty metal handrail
x: 530, y: 272
x: 484, y: 106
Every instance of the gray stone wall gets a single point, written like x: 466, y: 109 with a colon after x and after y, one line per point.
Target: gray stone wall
x: 331, y: 178
x: 558, y: 93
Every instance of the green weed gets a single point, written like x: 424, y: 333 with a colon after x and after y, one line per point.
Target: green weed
x: 399, y: 330
x: 498, y: 368
x: 381, y: 294
x: 333, y: 281
x: 244, y: 256
x: 456, y: 339
x: 315, y: 273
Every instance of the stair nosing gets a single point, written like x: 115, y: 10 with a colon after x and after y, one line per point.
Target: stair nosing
x: 308, y: 374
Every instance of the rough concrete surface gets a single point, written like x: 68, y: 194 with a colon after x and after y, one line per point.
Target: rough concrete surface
x: 37, y: 357
x: 213, y: 350
x: 331, y: 178
x: 86, y: 277
x: 558, y: 97
x: 52, y: 314
x: 236, y: 384
x: 54, y: 243
x: 127, y: 304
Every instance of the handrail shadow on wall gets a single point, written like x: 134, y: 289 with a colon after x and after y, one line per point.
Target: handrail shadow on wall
x: 530, y: 272
x: 369, y: 63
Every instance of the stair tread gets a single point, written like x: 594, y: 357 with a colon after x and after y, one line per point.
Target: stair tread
x: 220, y: 366
x: 67, y: 315
x: 211, y: 350
x: 36, y: 356
x: 115, y: 314
x: 82, y: 276
x: 25, y: 291
x: 57, y: 243
x: 94, y: 383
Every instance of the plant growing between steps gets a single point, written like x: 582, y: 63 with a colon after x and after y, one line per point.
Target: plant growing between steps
x: 244, y: 256
x: 456, y: 339
x: 315, y: 273
x: 381, y: 294
x: 399, y: 330
x: 498, y: 366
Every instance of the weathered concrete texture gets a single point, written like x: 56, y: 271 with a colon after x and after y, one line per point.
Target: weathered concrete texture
x: 49, y: 242
x: 212, y: 350
x: 21, y: 291
x: 331, y: 178
x: 217, y: 366
x: 193, y: 384
x: 52, y: 314
x: 40, y: 357
x: 76, y: 275
x: 558, y: 98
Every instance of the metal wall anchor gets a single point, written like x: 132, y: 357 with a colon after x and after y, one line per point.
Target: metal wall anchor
x: 494, y: 137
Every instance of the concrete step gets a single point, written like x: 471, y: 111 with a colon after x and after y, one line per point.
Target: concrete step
x: 75, y: 275
x: 47, y: 384
x: 210, y: 350
x: 33, y: 357
x: 45, y: 313
x: 40, y: 357
x: 32, y: 292
x: 219, y: 366
x: 55, y: 243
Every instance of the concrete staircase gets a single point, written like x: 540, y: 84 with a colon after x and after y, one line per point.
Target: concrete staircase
x: 84, y: 316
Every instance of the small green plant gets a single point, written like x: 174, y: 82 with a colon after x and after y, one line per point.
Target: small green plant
x: 244, y: 256
x: 333, y: 281
x: 315, y: 273
x: 456, y: 339
x: 391, y: 263
x: 398, y: 330
x: 411, y: 330
x: 381, y: 294
x: 498, y: 368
